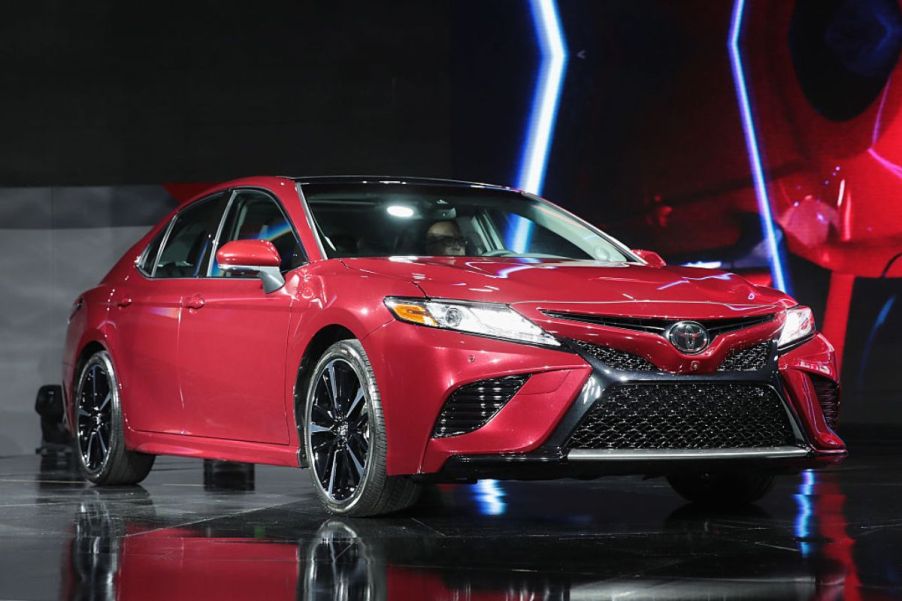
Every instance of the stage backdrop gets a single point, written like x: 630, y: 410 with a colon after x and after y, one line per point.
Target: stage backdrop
x: 664, y: 113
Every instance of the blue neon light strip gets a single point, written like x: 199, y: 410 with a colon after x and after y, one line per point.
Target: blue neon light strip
x: 778, y: 273
x: 543, y: 114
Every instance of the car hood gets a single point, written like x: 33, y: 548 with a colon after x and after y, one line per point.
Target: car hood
x: 584, y: 286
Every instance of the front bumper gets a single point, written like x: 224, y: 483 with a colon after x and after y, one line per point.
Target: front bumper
x: 417, y: 369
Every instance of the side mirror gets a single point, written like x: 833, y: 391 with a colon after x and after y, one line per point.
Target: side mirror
x: 253, y: 256
x: 649, y: 256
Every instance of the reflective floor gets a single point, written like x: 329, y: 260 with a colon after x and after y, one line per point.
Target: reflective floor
x: 829, y: 535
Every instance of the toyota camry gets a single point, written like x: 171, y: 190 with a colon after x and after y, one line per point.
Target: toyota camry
x: 391, y: 332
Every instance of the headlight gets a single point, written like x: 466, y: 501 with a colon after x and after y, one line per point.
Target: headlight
x: 487, y: 319
x: 799, y: 324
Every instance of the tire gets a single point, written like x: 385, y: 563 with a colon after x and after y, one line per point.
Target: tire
x: 722, y: 490
x: 98, y: 433
x: 344, y: 437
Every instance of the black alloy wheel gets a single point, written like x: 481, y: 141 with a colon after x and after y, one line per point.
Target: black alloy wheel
x: 343, y: 432
x: 94, y: 415
x: 339, y: 430
x: 99, y: 430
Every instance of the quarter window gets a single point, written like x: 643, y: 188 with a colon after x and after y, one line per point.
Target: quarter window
x: 189, y: 246
x: 148, y: 259
x: 255, y: 215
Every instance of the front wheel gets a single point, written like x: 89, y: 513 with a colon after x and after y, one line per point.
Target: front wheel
x: 722, y: 489
x: 344, y: 437
x: 98, y: 432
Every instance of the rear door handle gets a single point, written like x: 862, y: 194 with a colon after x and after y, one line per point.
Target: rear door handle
x: 195, y: 302
x: 124, y: 302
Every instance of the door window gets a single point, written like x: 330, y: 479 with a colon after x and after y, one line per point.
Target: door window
x: 255, y: 215
x: 188, y: 248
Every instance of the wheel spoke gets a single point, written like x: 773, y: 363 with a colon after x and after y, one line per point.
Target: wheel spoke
x: 357, y: 398
x: 361, y: 441
x: 316, y: 428
x: 316, y: 446
x: 106, y: 401
x: 333, y: 389
x: 324, y: 412
x: 103, y: 444
x: 356, y: 462
x: 332, y: 471
x: 88, y: 453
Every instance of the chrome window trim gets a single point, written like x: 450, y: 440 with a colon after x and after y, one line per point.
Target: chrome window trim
x: 310, y: 221
x: 222, y: 220
x: 140, y: 260
x: 163, y: 242
x: 783, y: 452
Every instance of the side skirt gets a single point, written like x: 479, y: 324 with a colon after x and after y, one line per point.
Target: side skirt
x: 156, y: 443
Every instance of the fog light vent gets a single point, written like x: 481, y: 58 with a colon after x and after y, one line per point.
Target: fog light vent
x: 471, y: 406
x: 828, y: 396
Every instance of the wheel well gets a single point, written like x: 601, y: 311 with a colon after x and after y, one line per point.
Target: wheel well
x: 323, y: 339
x: 85, y: 354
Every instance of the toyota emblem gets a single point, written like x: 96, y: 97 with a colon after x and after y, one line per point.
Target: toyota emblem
x: 689, y: 337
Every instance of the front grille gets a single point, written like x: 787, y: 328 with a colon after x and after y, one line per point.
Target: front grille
x: 681, y: 415
x: 715, y: 327
x: 471, y: 406
x: 751, y: 358
x: 828, y: 396
x: 614, y: 358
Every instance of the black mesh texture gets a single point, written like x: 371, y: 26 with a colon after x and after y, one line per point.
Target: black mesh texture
x: 471, y: 406
x: 684, y: 416
x: 752, y: 358
x: 616, y: 359
x: 828, y: 396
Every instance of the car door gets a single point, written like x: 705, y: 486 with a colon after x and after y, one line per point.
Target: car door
x: 233, y: 336
x: 147, y: 313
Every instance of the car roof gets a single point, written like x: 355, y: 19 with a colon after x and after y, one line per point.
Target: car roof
x: 396, y: 179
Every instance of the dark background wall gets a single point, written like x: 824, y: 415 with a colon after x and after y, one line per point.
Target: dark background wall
x: 104, y: 103
x: 113, y: 93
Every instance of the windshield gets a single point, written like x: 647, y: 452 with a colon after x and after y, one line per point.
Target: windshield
x: 379, y: 220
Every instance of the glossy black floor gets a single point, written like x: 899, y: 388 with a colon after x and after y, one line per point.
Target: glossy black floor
x: 826, y: 535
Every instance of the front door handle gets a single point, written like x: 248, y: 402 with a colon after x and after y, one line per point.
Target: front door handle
x: 195, y: 302
x: 123, y: 301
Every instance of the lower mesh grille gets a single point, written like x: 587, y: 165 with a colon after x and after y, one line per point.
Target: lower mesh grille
x: 684, y: 416
x: 616, y: 359
x: 828, y: 396
x: 471, y: 406
x: 752, y: 358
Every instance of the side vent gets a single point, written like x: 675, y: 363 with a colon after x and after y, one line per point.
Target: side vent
x: 828, y: 396
x: 471, y: 406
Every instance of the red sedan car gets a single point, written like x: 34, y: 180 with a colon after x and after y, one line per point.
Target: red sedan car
x: 389, y: 332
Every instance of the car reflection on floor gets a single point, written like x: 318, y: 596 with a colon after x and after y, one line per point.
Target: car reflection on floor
x: 115, y: 556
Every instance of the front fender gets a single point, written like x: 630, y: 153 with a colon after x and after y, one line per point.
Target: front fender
x: 329, y: 294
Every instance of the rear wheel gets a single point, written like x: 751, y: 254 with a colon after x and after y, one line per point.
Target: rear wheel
x: 99, y: 438
x: 722, y: 489
x: 344, y: 437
